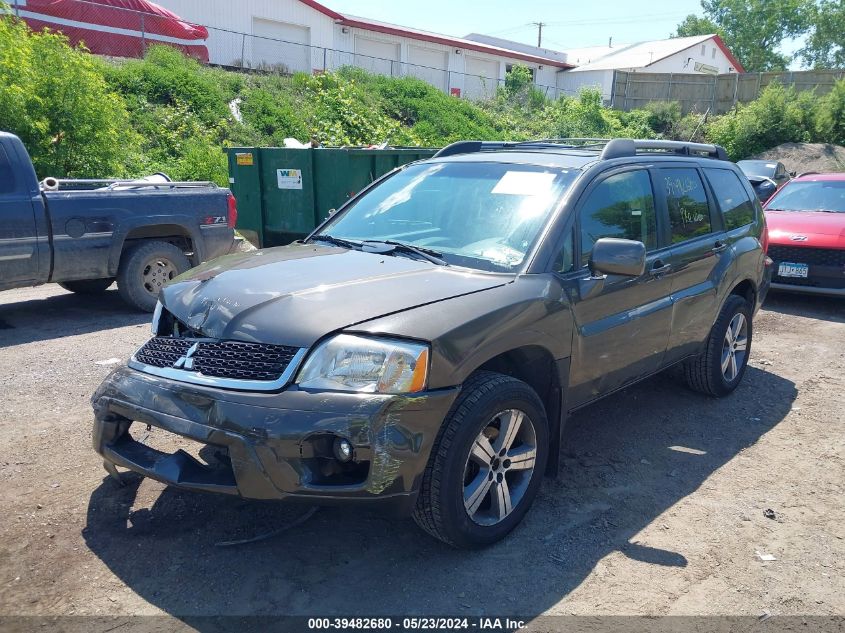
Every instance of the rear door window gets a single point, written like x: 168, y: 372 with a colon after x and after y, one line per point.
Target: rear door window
x: 7, y: 176
x: 620, y: 206
x: 736, y: 207
x: 689, y: 212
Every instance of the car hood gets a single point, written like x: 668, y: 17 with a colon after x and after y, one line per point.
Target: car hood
x: 823, y: 230
x: 295, y: 295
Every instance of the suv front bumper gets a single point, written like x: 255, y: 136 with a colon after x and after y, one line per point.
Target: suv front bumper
x: 275, y: 444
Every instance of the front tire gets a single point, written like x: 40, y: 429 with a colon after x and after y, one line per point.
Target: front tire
x: 145, y: 268
x: 719, y: 370
x: 87, y: 286
x: 487, y: 463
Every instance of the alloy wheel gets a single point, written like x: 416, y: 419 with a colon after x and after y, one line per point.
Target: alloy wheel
x: 499, y: 467
x: 734, y: 347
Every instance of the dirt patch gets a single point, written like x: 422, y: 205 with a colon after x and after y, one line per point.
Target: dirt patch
x: 663, y: 503
x: 804, y: 157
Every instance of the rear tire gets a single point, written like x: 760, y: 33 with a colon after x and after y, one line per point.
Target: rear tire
x: 720, y: 368
x: 145, y: 268
x: 472, y: 496
x: 87, y: 286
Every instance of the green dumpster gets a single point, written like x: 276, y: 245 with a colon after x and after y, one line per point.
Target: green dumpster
x: 283, y: 194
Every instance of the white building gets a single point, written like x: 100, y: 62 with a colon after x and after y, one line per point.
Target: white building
x: 304, y: 35
x: 702, y: 54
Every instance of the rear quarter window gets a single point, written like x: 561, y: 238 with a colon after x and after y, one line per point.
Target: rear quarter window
x: 7, y: 176
x: 736, y: 207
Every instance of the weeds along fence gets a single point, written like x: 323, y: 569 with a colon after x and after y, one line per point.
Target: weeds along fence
x: 718, y: 93
x: 127, y: 33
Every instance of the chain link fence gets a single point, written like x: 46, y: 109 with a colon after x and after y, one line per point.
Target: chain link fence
x: 122, y: 32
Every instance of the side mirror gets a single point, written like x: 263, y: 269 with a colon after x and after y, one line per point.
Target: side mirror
x: 612, y: 256
x: 792, y: 174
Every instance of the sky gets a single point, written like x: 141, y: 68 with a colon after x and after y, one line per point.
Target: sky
x: 570, y: 23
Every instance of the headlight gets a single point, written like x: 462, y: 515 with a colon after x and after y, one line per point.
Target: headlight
x: 366, y: 365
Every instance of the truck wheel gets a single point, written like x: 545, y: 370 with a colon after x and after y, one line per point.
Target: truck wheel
x: 145, y: 268
x: 486, y: 464
x: 87, y: 286
x: 720, y: 368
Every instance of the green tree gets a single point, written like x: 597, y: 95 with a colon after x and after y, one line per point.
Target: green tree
x: 55, y: 98
x: 752, y: 29
x: 825, y: 44
x: 695, y: 25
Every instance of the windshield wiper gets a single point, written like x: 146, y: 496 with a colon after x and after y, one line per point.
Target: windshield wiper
x: 337, y: 241
x: 426, y: 253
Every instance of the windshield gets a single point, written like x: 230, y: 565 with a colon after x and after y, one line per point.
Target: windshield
x: 757, y: 168
x: 479, y: 215
x: 811, y: 196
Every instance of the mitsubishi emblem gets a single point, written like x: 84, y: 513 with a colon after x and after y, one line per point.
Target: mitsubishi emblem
x: 187, y: 361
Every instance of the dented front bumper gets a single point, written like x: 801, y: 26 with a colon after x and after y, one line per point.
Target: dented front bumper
x: 276, y: 445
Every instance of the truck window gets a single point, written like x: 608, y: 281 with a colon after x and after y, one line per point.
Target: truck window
x: 689, y: 213
x: 621, y: 206
x: 7, y: 176
x: 737, y: 209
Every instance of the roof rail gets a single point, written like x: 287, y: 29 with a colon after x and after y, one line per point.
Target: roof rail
x: 611, y: 148
x: 624, y: 147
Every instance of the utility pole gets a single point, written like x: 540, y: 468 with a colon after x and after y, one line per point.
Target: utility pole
x: 539, y: 26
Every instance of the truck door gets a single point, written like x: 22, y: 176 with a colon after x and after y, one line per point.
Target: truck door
x: 18, y: 231
x: 622, y: 331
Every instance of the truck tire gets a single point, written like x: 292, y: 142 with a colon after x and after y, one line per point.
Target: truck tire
x: 720, y: 368
x: 487, y: 462
x: 87, y: 286
x: 145, y: 268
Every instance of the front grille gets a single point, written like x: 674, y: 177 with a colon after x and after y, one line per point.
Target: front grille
x: 221, y: 359
x: 805, y: 255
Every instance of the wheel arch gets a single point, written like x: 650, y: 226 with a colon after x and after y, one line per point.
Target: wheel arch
x: 536, y: 366
x: 177, y: 234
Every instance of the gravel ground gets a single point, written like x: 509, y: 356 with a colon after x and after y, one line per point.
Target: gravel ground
x: 661, y: 506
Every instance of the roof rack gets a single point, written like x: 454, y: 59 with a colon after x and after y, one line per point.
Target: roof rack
x: 610, y: 148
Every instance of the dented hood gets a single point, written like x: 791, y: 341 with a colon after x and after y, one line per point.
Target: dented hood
x: 296, y: 294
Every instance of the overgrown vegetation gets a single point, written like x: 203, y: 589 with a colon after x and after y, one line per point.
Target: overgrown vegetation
x: 84, y: 117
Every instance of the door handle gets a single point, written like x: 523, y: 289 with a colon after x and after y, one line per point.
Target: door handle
x: 659, y: 268
x: 719, y: 246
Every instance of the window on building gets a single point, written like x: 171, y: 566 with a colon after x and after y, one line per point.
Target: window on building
x: 533, y: 71
x: 689, y: 214
x: 734, y: 203
x: 713, y: 54
x: 703, y: 50
x: 621, y: 206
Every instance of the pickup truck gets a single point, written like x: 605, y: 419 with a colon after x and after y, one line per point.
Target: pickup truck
x: 85, y: 234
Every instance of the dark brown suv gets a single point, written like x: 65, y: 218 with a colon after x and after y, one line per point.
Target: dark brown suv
x: 423, y: 347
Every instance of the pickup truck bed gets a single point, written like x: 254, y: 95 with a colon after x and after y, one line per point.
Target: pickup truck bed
x: 142, y: 234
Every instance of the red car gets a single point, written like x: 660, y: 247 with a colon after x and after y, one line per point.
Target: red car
x: 806, y: 221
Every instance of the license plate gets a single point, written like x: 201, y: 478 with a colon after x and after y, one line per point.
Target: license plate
x: 788, y: 269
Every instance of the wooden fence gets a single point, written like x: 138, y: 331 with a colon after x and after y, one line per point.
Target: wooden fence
x: 719, y: 93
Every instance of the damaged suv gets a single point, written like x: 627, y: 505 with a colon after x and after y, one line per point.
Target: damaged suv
x: 421, y: 350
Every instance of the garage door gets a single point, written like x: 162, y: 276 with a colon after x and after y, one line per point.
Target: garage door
x: 482, y: 78
x: 429, y: 65
x: 280, y: 45
x: 377, y: 56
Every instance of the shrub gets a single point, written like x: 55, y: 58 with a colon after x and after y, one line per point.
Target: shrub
x: 55, y: 98
x: 165, y: 76
x: 830, y: 115
x: 778, y: 116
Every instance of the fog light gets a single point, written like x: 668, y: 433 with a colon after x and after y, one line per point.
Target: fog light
x: 342, y: 450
